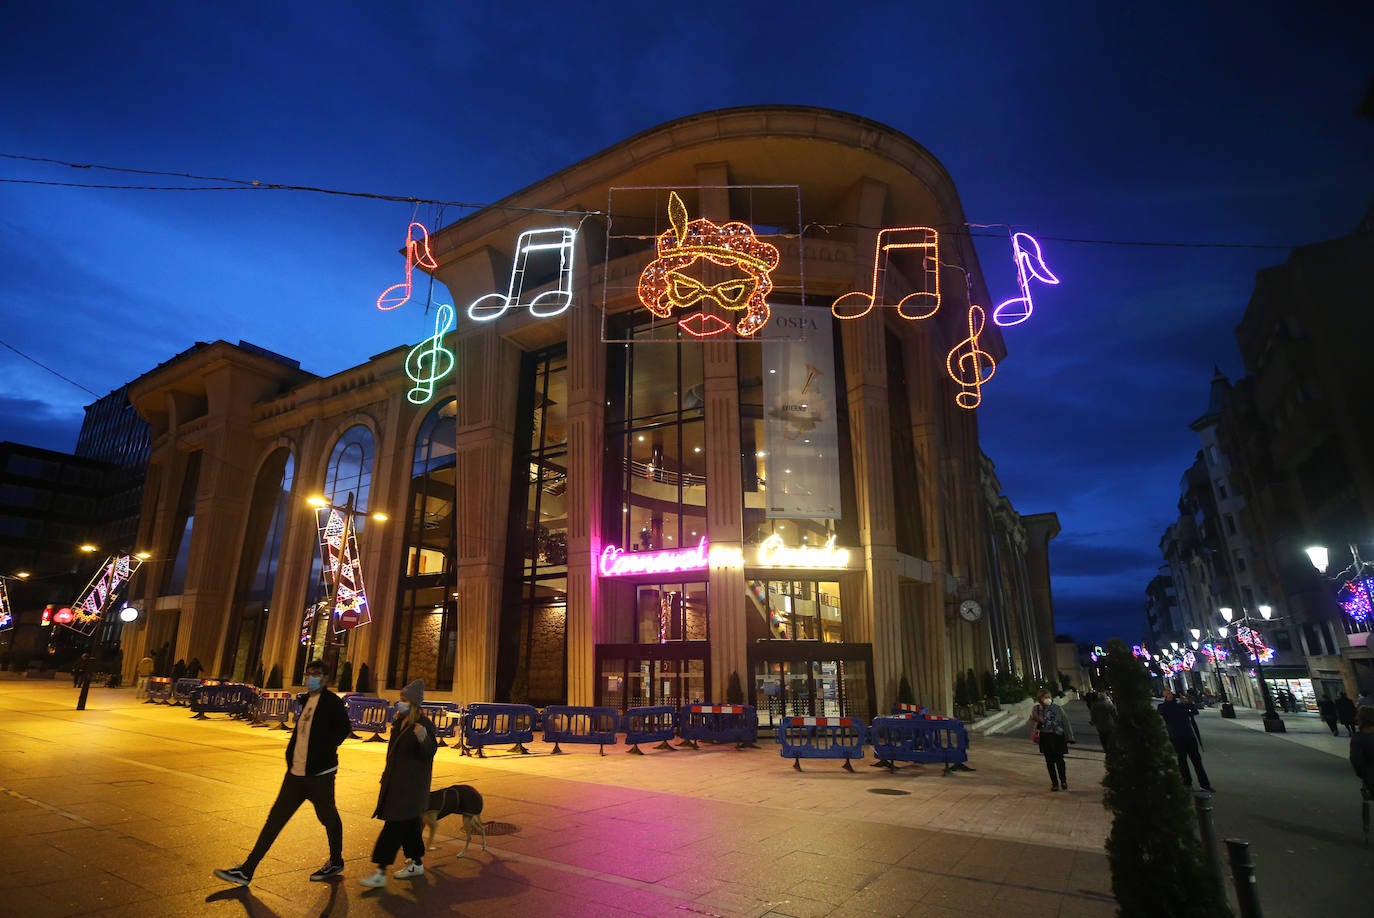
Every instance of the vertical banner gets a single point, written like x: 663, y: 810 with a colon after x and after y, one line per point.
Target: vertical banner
x: 800, y: 431
x: 343, y: 573
x: 6, y: 615
x: 99, y: 596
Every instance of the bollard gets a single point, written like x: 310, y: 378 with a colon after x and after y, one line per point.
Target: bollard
x: 1243, y: 877
x: 1207, y: 834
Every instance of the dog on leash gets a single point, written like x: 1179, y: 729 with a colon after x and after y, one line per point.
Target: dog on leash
x: 462, y: 799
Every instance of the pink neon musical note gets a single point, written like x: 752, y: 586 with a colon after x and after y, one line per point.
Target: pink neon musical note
x: 921, y: 304
x: 1029, y: 263
x: 417, y: 253
x: 968, y: 364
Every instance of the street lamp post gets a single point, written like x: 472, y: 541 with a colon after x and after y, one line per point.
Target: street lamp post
x: 1272, y: 722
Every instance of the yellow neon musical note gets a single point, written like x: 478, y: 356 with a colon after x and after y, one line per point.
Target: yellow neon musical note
x: 921, y: 304
x: 429, y: 361
x: 543, y: 243
x: 968, y: 364
x: 417, y: 253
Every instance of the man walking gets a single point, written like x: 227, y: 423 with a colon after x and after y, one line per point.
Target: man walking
x: 312, y: 759
x: 1180, y: 722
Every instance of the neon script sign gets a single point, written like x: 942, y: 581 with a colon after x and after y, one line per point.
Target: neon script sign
x: 663, y: 287
x: 920, y: 304
x: 773, y: 553
x: 615, y: 562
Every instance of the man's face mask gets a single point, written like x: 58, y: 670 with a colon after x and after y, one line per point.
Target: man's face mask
x: 314, y: 682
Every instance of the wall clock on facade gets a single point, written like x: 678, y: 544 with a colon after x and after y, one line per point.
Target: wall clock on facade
x: 970, y: 610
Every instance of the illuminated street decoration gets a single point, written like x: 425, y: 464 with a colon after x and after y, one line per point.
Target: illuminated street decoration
x: 968, y: 364
x: 417, y: 253
x: 919, y: 304
x: 1189, y: 659
x: 6, y: 615
x: 98, y: 596
x: 1029, y: 264
x: 1253, y: 642
x: 346, y: 598
x: 544, y: 249
x: 663, y: 287
x: 616, y: 562
x: 1355, y: 599
x: 429, y: 361
x: 773, y: 553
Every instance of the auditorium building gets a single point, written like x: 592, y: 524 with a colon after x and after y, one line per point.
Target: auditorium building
x: 701, y: 424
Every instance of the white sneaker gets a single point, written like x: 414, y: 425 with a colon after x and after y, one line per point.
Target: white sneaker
x: 374, y: 880
x: 411, y: 869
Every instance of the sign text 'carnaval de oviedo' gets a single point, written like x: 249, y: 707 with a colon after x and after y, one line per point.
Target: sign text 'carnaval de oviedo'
x: 771, y: 553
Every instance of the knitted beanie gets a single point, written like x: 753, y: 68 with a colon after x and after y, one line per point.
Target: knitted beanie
x: 415, y: 692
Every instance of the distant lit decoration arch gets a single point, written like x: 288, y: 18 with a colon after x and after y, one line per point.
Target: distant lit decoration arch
x: 1029, y: 264
x: 916, y: 304
x: 665, y: 288
x: 99, y: 595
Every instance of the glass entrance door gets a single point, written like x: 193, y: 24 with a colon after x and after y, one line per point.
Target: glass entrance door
x: 810, y: 687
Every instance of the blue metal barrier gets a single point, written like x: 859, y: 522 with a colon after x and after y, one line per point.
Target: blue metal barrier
x: 182, y: 688
x: 487, y: 724
x: 230, y: 698
x: 821, y: 738
x: 719, y: 723
x: 159, y: 690
x: 911, y: 739
x: 573, y: 724
x: 368, y: 715
x: 273, y: 708
x: 645, y: 725
x: 446, y: 716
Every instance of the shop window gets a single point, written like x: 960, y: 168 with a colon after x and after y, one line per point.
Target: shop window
x: 794, y: 610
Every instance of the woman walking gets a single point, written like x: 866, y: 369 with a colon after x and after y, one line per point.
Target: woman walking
x: 1051, y: 727
x: 404, y: 792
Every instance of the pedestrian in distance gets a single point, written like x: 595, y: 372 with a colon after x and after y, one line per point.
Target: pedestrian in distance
x: 178, y: 670
x: 312, y: 761
x: 193, y: 668
x: 1366, y: 700
x: 1346, y: 713
x: 1362, y: 751
x: 1326, y: 709
x: 1180, y: 722
x: 79, y: 669
x: 1051, y: 730
x: 1103, y: 718
x: 404, y: 794
x: 144, y: 671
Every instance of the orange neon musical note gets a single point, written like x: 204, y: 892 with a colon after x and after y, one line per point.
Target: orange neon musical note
x: 968, y: 364
x: 417, y: 253
x: 921, y: 304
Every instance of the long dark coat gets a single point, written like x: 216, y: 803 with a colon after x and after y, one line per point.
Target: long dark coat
x: 404, y: 793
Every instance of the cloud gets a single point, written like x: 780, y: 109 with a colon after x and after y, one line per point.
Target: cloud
x: 36, y: 423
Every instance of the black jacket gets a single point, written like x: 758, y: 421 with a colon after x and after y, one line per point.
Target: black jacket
x: 1362, y: 758
x: 329, y: 729
x: 1180, y: 720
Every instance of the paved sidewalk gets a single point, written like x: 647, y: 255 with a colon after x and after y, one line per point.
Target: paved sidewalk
x: 126, y: 808
x: 1303, y: 729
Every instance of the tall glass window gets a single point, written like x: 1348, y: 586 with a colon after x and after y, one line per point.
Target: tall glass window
x: 424, y: 639
x: 530, y: 666
x: 175, y: 584
x: 258, y: 574
x: 349, y: 473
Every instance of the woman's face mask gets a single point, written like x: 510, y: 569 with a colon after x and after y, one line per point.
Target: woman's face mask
x: 314, y: 683
x: 402, y: 707
x: 1045, y: 701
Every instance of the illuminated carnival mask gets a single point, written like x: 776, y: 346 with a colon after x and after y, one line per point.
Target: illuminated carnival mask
x: 664, y: 287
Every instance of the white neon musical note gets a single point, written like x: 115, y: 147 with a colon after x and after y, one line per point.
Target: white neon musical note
x: 543, y: 244
x: 417, y: 253
x: 920, y: 304
x: 1029, y: 263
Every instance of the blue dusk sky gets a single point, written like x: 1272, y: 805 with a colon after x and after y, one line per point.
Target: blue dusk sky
x: 1230, y: 125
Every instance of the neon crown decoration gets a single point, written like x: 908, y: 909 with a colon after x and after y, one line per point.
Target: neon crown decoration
x: 663, y: 287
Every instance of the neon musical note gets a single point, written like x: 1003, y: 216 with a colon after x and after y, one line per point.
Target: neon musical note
x: 968, y: 364
x: 921, y: 304
x: 1029, y: 263
x: 663, y: 287
x: 429, y: 361
x: 542, y: 243
x: 417, y: 253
